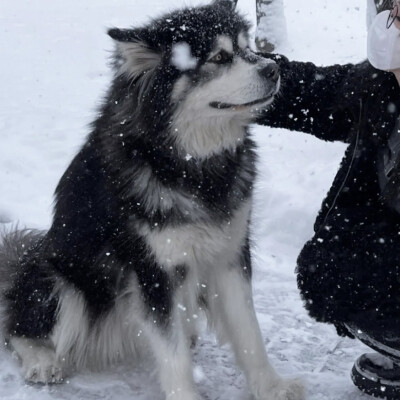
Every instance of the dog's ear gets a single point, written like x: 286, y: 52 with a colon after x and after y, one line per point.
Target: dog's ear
x: 134, y: 54
x: 229, y: 4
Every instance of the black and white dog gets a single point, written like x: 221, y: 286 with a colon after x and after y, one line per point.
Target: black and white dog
x: 151, y: 220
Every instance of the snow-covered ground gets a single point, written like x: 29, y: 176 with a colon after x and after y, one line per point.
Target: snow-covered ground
x: 53, y: 72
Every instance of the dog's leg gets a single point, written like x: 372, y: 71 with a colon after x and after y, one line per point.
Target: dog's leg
x: 231, y: 306
x: 189, y: 314
x: 39, y: 361
x: 171, y: 351
x: 166, y: 332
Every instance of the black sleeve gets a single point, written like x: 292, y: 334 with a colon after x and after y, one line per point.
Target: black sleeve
x: 322, y: 101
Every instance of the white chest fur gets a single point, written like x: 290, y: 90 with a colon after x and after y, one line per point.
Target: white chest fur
x: 200, y: 244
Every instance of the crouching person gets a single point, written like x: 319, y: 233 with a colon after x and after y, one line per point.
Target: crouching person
x: 349, y: 272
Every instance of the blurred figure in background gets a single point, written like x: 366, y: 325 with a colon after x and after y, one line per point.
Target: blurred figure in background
x: 271, y: 25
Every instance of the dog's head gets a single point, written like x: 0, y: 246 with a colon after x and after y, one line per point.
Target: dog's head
x: 196, y: 67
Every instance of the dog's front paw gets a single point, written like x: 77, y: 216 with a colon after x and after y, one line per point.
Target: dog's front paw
x: 290, y: 389
x: 42, y: 367
x: 45, y: 374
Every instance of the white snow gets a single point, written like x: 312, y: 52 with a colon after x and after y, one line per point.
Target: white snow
x: 182, y: 56
x: 53, y: 72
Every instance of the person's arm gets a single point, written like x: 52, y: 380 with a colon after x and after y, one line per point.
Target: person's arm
x: 322, y: 101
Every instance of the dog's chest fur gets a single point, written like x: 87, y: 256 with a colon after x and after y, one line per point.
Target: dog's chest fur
x: 198, y: 245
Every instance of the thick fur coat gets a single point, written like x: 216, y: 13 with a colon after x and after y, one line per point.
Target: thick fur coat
x: 349, y: 272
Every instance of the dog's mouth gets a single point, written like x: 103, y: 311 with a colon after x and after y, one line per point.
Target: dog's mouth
x: 223, y: 106
x: 265, y: 101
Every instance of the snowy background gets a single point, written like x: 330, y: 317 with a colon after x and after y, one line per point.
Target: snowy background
x: 53, y: 73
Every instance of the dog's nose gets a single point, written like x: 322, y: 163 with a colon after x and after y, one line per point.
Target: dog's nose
x: 271, y: 71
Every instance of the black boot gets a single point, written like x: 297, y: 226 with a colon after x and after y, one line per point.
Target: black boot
x: 377, y: 375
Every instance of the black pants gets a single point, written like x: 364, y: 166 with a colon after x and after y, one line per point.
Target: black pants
x: 350, y: 271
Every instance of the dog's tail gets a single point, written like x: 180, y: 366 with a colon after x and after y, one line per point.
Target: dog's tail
x: 13, y: 245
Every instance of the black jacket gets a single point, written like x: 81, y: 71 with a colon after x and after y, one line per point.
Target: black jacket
x: 350, y: 270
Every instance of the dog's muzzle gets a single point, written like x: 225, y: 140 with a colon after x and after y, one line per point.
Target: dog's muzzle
x: 271, y: 72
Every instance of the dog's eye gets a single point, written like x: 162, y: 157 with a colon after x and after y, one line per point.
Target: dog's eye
x: 222, y: 57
